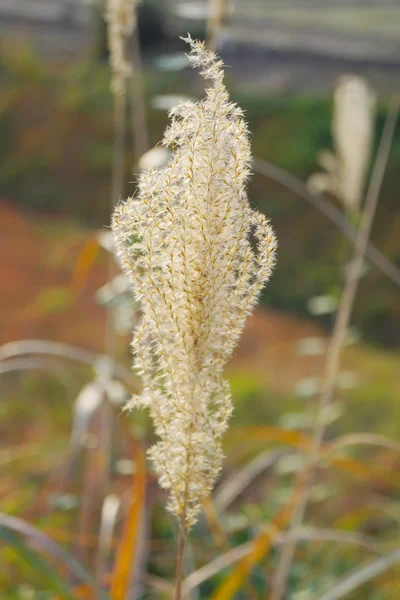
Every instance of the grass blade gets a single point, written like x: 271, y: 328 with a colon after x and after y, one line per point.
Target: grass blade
x: 41, y: 567
x: 109, y: 516
x: 211, y: 514
x: 222, y: 561
x: 96, y: 476
x: 60, y: 349
x: 297, y: 439
x: 86, y: 404
x: 14, y: 526
x: 84, y: 264
x: 365, y: 439
x: 261, y: 546
x: 128, y: 550
x: 362, y: 575
x: 233, y: 487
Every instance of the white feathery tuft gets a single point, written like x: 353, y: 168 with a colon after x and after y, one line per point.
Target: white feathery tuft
x: 197, y: 256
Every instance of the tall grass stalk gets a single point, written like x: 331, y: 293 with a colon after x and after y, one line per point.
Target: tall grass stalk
x: 185, y: 244
x: 140, y: 132
x: 117, y: 190
x: 336, y: 344
x: 120, y: 16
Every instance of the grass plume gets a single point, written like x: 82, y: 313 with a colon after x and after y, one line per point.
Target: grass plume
x: 185, y: 242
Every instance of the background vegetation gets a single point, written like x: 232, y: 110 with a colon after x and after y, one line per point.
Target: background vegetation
x: 65, y: 474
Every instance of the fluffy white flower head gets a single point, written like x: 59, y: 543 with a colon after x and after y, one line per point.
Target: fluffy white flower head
x: 197, y: 257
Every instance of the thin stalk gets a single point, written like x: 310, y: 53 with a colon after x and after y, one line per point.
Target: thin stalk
x: 232, y: 556
x: 107, y: 416
x: 361, y: 575
x: 117, y: 190
x: 53, y: 349
x: 336, y: 343
x: 179, y: 560
x: 117, y: 184
x: 329, y: 210
x: 140, y: 132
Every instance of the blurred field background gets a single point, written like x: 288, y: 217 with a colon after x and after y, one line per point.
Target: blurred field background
x: 81, y: 517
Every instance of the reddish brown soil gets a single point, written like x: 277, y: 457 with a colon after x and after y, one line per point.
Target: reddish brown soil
x: 37, y: 267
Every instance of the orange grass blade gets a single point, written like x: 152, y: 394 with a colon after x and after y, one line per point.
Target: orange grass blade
x: 129, y: 546
x: 364, y: 472
x: 270, y: 433
x: 83, y: 265
x: 302, y: 441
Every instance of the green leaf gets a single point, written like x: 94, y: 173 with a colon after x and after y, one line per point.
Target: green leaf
x: 48, y: 573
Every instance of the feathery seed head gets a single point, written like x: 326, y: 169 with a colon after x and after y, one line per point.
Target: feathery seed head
x: 185, y: 242
x: 352, y: 131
